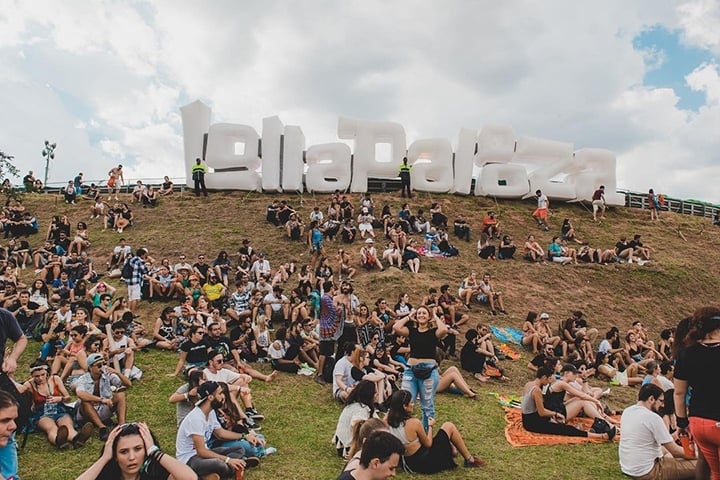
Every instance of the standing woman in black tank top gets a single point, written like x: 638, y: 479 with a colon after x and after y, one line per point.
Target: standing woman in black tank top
x: 424, y: 332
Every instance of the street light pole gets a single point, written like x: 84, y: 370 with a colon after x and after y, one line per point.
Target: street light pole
x: 48, y: 154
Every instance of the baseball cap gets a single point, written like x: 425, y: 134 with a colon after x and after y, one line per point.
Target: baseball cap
x: 94, y: 358
x: 205, y: 390
x: 369, y: 240
x: 544, y: 315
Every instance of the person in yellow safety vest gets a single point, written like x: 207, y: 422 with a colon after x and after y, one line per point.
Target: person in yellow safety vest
x: 198, y: 175
x: 405, y: 178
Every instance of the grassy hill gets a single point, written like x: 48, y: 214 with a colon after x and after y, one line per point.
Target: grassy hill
x: 300, y: 414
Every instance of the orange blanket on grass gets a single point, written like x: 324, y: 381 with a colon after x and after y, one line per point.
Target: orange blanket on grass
x: 517, y: 436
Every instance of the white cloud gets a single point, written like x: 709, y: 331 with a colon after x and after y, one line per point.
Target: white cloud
x: 705, y: 78
x: 117, y: 73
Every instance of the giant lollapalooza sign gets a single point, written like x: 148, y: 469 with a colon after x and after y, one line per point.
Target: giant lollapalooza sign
x: 506, y: 166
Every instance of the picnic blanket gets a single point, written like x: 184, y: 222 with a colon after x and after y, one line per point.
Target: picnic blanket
x: 517, y: 436
x: 507, y: 334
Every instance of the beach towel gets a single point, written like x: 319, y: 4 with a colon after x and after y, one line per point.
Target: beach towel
x: 509, y: 352
x: 517, y: 436
x: 507, y: 334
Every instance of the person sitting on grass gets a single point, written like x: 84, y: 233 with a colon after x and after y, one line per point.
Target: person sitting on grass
x: 49, y: 413
x: 533, y: 252
x: 488, y: 294
x: 193, y: 352
x: 555, y: 252
x: 361, y: 432
x: 231, y: 418
x: 624, y: 250
x: 507, y: 248
x: 132, y: 453
x: 536, y: 417
x: 567, y: 232
x: 283, y: 356
x: 645, y: 439
x: 198, y: 427
x: 378, y: 460
x: 369, y: 257
x: 423, y: 452
x: 360, y: 406
x: 166, y: 188
x: 98, y: 400
x: 564, y: 397
x: 606, y: 365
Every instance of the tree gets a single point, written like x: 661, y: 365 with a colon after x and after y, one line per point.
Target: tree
x: 7, y: 168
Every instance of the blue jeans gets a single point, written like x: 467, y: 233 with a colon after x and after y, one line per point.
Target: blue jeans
x: 250, y: 449
x: 425, y: 388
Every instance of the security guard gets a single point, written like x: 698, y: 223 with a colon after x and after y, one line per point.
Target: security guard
x: 405, y: 178
x: 198, y: 175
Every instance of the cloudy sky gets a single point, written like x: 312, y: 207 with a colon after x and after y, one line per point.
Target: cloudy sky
x: 105, y: 79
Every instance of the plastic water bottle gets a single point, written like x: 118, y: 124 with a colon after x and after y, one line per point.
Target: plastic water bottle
x: 50, y: 409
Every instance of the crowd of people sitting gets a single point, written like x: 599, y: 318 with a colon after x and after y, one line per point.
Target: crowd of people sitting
x: 226, y: 314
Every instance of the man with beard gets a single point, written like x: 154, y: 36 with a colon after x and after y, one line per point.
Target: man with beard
x: 643, y: 435
x: 199, y: 426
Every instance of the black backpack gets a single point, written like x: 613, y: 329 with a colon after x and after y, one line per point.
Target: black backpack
x: 127, y: 270
x: 24, y: 401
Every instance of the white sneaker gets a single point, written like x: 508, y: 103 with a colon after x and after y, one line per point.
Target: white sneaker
x: 629, y: 260
x: 270, y: 451
x: 606, y: 392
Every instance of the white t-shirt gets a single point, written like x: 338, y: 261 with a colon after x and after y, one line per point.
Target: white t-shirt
x: 542, y: 201
x: 126, y: 250
x: 194, y: 423
x: 643, y: 432
x: 605, y: 346
x: 273, y: 301
x: 223, y: 375
x: 343, y: 367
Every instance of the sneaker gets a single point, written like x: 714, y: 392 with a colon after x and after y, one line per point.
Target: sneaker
x: 606, y: 392
x: 104, y: 433
x: 474, y: 462
x: 493, y: 312
x: 504, y: 312
x: 83, y: 435
x: 61, y: 440
x: 251, y: 462
x: 251, y: 424
x: 38, y: 270
x: 318, y: 379
x: 611, y: 434
x: 254, y: 414
x: 270, y: 451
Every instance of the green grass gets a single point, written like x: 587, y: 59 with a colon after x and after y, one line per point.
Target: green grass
x: 301, y: 415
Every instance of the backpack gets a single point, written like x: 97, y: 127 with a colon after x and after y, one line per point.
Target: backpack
x: 127, y: 270
x: 24, y: 401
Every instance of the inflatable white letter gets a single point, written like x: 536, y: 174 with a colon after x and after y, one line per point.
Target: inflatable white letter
x: 328, y: 167
x: 196, y: 122
x: 497, y: 177
x: 463, y: 163
x: 231, y: 171
x: 595, y: 167
x: 272, y: 129
x: 436, y: 174
x: 292, y: 159
x: 554, y: 158
x: 366, y: 134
